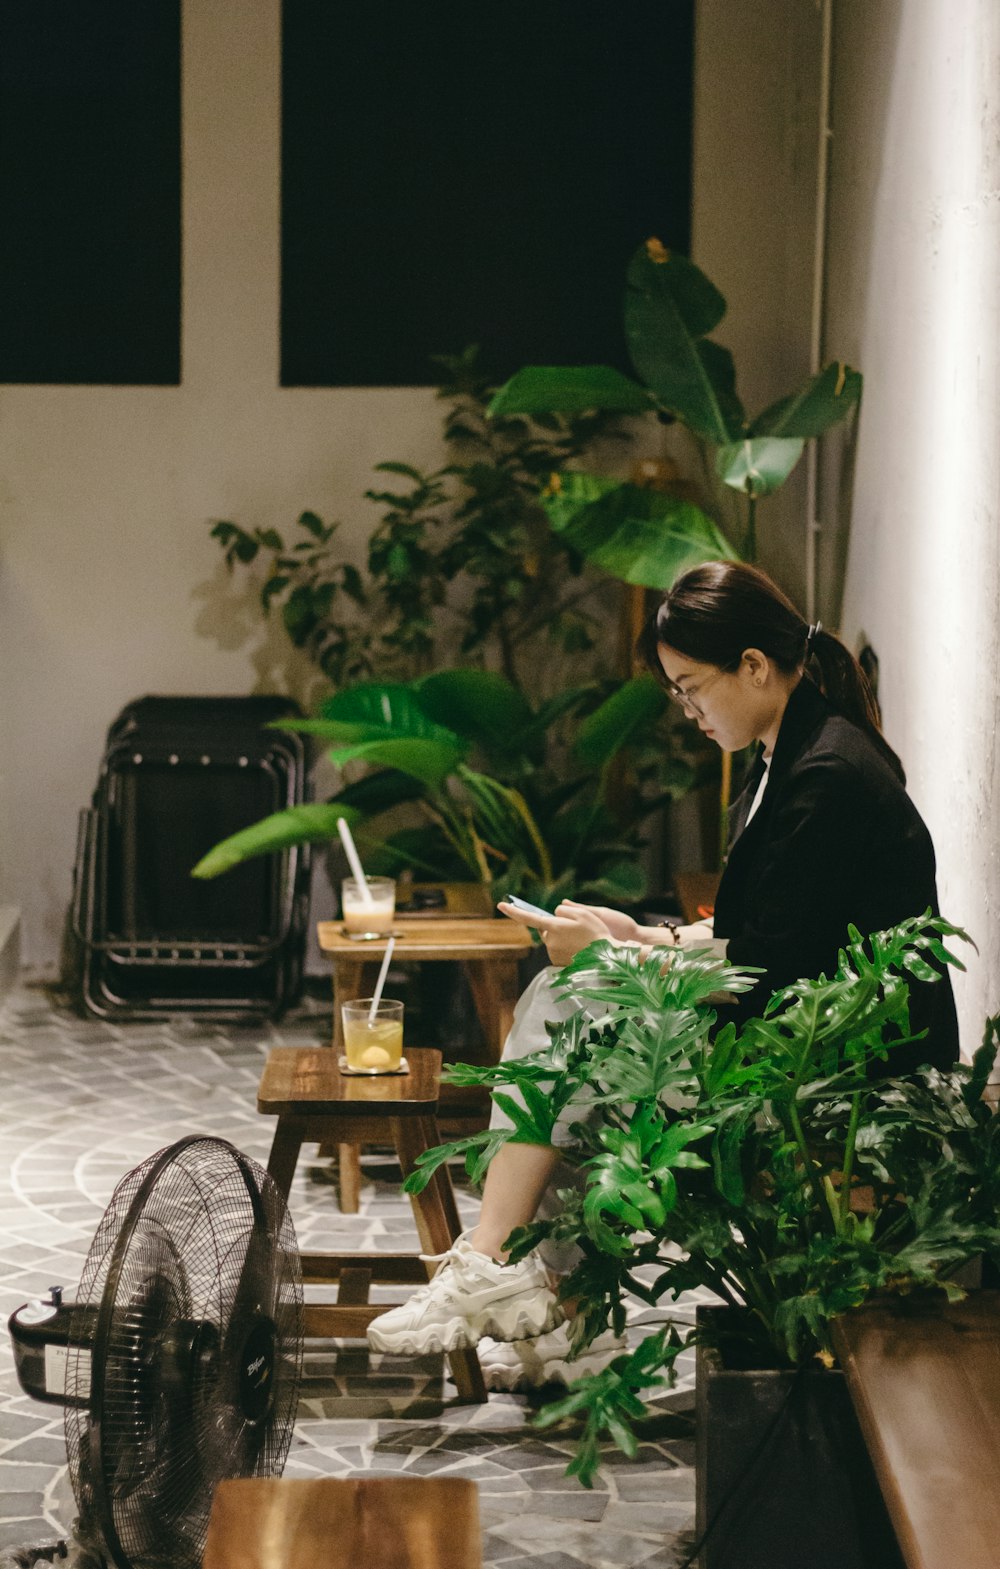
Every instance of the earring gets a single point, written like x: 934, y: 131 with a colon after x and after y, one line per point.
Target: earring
x: 758, y: 682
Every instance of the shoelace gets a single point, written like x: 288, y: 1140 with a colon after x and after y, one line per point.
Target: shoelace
x: 442, y: 1260
x: 452, y: 1255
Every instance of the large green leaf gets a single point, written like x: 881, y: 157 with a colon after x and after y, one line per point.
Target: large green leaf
x: 759, y: 464
x: 479, y: 704
x: 311, y: 823
x: 693, y: 295
x: 639, y: 536
x: 669, y: 306
x: 635, y: 706
x: 380, y: 791
x: 384, y: 724
x: 429, y: 760
x: 373, y: 711
x: 819, y: 403
x: 569, y: 389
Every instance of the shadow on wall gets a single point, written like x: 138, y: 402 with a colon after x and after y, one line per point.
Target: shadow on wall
x: 230, y: 616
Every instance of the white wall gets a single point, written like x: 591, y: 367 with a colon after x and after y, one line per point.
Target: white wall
x: 914, y: 293
x: 910, y: 503
x: 109, y: 585
x: 756, y: 115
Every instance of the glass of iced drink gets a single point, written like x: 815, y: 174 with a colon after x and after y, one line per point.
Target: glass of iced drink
x: 374, y: 917
x: 373, y: 1045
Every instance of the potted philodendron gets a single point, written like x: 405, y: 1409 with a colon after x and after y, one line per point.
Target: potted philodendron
x: 781, y: 1167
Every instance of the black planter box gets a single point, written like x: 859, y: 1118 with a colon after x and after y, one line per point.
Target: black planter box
x: 783, y: 1476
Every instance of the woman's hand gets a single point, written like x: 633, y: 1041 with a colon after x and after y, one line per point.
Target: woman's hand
x: 566, y: 933
x: 618, y: 925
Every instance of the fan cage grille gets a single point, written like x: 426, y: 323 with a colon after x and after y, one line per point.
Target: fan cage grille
x: 195, y: 1251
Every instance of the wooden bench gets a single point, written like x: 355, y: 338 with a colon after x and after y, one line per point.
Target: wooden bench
x: 351, y: 1523
x: 925, y: 1383
x: 314, y: 1102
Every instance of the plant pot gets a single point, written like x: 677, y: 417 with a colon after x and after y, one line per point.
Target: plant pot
x: 783, y: 1476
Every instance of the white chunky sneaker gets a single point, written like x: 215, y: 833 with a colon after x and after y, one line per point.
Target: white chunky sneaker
x: 528, y: 1364
x: 469, y: 1296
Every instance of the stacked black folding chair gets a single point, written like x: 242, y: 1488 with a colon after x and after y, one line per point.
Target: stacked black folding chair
x: 178, y: 775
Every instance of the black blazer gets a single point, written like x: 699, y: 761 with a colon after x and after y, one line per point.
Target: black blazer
x: 835, y: 840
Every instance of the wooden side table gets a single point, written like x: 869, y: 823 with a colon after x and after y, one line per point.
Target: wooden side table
x: 488, y: 951
x: 305, y: 1090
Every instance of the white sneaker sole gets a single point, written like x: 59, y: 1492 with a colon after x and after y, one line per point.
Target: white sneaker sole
x: 504, y: 1376
x: 510, y: 1320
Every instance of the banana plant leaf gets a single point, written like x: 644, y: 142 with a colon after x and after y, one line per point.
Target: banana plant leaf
x: 639, y: 536
x: 429, y: 760
x: 818, y: 404
x: 635, y: 706
x: 373, y: 711
x: 380, y: 791
x: 759, y: 464
x: 569, y: 389
x: 310, y: 823
x: 669, y: 307
x: 480, y: 705
x: 384, y: 724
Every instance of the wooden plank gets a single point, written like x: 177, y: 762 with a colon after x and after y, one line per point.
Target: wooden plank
x: 330, y: 1321
x: 418, y: 937
x: 925, y: 1382
x: 306, y: 1081
x: 394, y: 1268
x: 345, y: 1523
x: 355, y: 1281
x: 349, y: 1177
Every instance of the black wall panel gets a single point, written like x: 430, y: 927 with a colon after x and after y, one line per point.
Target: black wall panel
x: 459, y: 171
x: 90, y: 188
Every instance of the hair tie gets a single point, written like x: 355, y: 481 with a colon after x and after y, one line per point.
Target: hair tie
x: 816, y: 627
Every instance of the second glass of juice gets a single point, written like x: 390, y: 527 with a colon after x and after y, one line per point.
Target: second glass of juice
x: 373, y: 1045
x: 373, y: 915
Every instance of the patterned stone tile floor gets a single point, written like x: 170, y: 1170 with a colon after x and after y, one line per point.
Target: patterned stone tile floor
x: 83, y: 1101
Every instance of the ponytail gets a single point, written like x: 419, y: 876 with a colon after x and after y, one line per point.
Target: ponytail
x: 844, y: 684
x: 715, y: 611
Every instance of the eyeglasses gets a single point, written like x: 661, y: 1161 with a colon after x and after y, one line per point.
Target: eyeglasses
x: 688, y: 699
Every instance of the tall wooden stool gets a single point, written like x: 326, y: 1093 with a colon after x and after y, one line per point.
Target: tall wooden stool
x: 372, y: 1522
x: 313, y: 1101
x: 488, y: 950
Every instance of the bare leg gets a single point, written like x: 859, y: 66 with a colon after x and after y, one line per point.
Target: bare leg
x: 516, y: 1180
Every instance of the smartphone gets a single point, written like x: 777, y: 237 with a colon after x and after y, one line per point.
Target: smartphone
x: 528, y: 909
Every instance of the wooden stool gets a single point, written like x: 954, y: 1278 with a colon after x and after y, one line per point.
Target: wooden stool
x: 396, y: 1522
x: 313, y: 1101
x: 488, y: 951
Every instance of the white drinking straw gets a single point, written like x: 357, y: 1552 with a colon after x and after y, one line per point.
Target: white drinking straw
x: 383, y: 972
x: 347, y: 840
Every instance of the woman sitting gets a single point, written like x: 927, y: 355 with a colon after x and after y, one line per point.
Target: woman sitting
x: 823, y: 836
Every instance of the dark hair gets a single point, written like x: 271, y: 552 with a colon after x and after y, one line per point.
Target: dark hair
x: 715, y: 611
